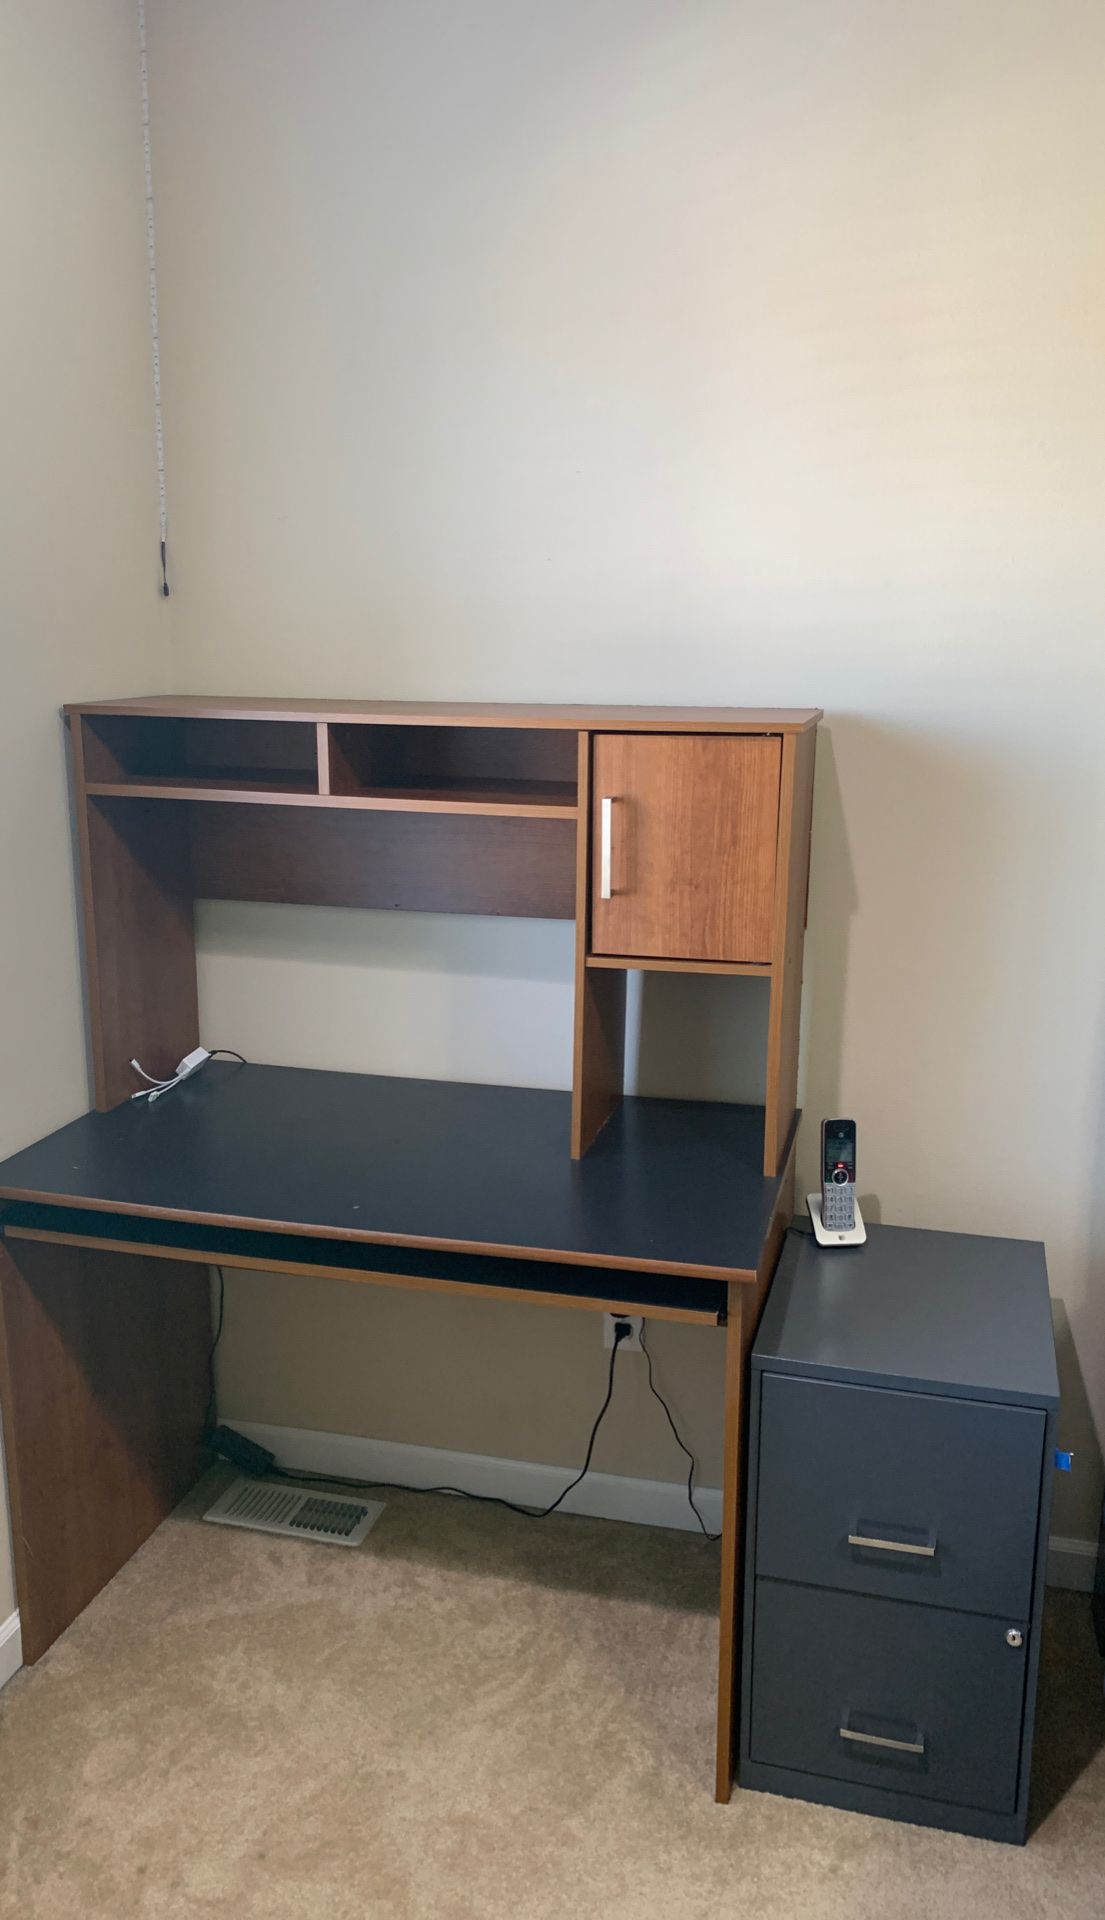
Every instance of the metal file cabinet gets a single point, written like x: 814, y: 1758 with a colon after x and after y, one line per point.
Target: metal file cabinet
x: 902, y: 1408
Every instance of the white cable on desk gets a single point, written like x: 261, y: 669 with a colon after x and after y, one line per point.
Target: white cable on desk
x: 149, y: 1077
x: 191, y: 1063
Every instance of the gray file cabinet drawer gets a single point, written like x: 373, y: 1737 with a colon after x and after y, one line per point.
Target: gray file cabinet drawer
x: 837, y: 1676
x: 907, y: 1495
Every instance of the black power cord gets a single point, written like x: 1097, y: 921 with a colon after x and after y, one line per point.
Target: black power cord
x: 209, y: 1417
x: 486, y: 1499
x: 680, y: 1442
x: 621, y: 1334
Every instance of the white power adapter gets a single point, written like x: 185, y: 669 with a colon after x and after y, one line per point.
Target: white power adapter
x: 191, y: 1063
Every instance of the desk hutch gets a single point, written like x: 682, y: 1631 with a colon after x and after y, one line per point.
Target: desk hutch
x: 677, y: 839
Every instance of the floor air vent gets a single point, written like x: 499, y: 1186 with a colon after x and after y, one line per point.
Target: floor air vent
x: 337, y: 1517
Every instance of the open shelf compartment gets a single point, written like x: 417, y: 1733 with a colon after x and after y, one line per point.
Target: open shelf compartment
x: 197, y: 758
x: 505, y: 770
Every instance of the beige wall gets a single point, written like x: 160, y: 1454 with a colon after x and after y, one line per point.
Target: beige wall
x: 640, y: 350
x: 79, y: 615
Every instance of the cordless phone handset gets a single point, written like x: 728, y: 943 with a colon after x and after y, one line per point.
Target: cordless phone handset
x: 838, y: 1175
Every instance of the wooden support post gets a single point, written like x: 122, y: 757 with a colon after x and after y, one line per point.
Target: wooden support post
x: 729, y: 1638
x: 322, y: 751
x: 792, y: 872
x: 746, y: 1304
x: 598, y: 1067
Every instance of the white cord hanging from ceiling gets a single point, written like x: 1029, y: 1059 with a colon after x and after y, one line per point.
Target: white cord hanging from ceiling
x: 155, y: 334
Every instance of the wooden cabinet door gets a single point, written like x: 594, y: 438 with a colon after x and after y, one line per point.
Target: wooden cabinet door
x: 691, y: 822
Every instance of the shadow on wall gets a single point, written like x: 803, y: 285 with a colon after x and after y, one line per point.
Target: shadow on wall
x: 833, y: 901
x: 1076, y: 1416
x: 1076, y: 1433
x: 1070, y: 1715
x: 696, y: 1037
x: 928, y: 976
x: 919, y: 1023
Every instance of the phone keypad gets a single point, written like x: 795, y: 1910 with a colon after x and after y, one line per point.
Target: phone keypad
x: 838, y: 1208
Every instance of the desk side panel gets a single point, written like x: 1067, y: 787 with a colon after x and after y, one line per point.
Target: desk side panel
x: 103, y: 1382
x: 139, y: 946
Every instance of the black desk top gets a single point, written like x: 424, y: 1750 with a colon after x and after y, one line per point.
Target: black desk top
x: 953, y: 1313
x: 672, y: 1186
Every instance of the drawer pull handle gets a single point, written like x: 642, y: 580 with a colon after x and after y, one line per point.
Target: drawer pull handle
x: 606, y: 846
x: 882, y: 1740
x: 892, y: 1546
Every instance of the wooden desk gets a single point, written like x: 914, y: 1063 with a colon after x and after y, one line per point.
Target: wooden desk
x: 676, y: 839
x: 425, y: 1184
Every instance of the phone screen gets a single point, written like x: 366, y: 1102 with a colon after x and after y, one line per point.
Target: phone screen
x: 840, y: 1147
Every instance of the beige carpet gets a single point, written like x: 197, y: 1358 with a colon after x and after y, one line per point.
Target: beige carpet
x: 472, y: 1717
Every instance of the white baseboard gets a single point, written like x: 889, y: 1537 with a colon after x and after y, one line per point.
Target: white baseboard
x: 11, y: 1648
x: 1071, y: 1563
x: 604, y: 1496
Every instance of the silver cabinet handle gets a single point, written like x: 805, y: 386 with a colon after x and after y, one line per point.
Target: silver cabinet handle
x: 606, y: 838
x: 882, y: 1740
x: 891, y: 1546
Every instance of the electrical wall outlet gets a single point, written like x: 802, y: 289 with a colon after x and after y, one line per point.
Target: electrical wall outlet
x: 634, y: 1321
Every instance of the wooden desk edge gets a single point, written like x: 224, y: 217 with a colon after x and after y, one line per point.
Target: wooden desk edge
x: 419, y: 1283
x: 81, y: 1203
x: 551, y: 717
